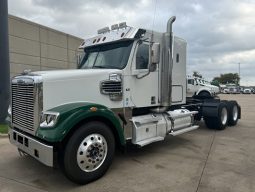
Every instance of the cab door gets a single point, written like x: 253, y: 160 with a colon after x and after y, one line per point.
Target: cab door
x: 144, y: 87
x: 191, y: 87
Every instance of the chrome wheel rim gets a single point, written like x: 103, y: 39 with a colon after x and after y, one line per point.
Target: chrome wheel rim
x: 92, y: 152
x: 224, y: 116
x: 235, y: 113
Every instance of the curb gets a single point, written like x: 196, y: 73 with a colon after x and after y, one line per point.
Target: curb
x: 3, y: 135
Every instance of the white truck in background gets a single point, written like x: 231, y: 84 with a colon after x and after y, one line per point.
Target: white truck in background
x: 199, y: 87
x: 130, y: 87
x: 231, y: 89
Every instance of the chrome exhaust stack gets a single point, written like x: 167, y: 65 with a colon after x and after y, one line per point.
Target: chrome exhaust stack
x: 166, y: 69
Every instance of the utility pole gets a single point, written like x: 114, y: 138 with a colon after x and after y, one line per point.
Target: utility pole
x: 4, y: 61
x: 239, y: 73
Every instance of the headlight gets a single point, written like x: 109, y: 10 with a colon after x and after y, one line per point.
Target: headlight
x: 10, y: 110
x: 49, y: 119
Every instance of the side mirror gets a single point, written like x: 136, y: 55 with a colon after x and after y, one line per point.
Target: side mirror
x: 155, y: 53
x: 78, y: 60
x: 79, y: 57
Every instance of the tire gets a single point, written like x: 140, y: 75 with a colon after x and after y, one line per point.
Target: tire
x: 89, y: 153
x: 209, y: 122
x: 221, y: 120
x: 233, y: 113
x: 204, y: 94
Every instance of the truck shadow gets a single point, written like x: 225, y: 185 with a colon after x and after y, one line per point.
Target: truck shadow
x: 27, y: 170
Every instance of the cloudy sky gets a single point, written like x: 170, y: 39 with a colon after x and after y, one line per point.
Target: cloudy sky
x: 220, y: 34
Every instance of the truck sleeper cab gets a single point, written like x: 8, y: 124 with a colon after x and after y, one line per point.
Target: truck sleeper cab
x: 130, y: 86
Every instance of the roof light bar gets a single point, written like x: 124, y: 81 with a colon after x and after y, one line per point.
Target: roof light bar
x: 103, y: 30
x: 115, y: 26
x: 122, y: 25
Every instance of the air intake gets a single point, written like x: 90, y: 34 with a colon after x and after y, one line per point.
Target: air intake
x: 112, y: 88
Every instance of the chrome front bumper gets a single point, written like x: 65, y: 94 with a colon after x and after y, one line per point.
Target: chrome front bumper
x: 36, y: 149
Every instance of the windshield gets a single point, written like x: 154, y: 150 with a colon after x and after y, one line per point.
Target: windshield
x: 110, y: 56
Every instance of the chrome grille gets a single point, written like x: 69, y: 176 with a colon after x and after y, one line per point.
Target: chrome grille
x: 111, y: 87
x: 23, y: 99
x: 27, y: 102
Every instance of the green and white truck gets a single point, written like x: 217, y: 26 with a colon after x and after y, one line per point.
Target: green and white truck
x: 130, y: 87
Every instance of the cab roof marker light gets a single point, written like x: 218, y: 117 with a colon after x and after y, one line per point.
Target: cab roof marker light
x: 115, y: 26
x: 103, y: 30
x: 122, y: 25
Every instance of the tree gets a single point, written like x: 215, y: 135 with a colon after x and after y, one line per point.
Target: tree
x: 227, y: 78
x: 215, y: 83
x: 197, y: 74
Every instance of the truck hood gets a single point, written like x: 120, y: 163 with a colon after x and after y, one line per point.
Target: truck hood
x: 73, y: 74
x: 71, y: 86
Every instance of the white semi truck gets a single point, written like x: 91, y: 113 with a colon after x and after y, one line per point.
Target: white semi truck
x: 198, y: 87
x: 130, y: 88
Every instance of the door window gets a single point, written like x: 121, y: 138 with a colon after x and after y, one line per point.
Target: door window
x: 191, y: 81
x: 142, y: 56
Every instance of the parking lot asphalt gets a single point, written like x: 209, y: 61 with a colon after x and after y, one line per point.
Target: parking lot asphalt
x: 200, y: 161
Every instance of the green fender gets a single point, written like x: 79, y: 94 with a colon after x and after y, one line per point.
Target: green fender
x: 71, y: 114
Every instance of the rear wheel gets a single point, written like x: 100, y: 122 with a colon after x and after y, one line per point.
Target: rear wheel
x: 221, y: 120
x: 89, y: 153
x: 233, y: 113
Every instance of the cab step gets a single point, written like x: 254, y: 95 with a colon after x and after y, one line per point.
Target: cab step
x: 149, y: 141
x: 181, y: 131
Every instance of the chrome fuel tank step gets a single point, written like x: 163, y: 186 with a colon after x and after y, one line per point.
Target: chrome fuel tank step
x: 154, y: 127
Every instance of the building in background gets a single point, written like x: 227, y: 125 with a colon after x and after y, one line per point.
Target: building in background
x: 36, y: 47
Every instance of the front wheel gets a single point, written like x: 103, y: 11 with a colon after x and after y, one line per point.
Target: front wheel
x: 89, y: 153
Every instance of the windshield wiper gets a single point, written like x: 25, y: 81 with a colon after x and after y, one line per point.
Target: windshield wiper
x: 101, y: 67
x: 105, y: 67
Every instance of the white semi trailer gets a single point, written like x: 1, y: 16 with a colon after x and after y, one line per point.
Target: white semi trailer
x: 130, y: 87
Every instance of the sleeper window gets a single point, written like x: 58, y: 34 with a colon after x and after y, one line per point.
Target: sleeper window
x: 177, y: 58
